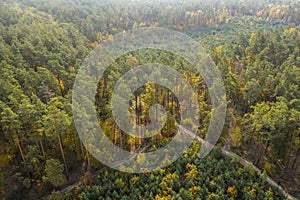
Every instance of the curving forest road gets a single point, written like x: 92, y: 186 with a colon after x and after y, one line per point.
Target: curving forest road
x: 225, y: 152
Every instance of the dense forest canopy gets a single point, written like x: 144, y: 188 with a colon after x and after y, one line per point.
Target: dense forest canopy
x: 255, y: 45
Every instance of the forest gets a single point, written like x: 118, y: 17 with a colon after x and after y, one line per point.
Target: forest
x: 255, y: 46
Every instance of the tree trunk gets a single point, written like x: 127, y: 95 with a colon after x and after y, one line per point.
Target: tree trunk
x: 136, y: 112
x: 136, y: 108
x: 104, y: 83
x: 63, y: 155
x: 267, y: 144
x: 42, y: 149
x: 23, y: 157
x: 88, y: 160
x: 263, y: 151
x: 168, y: 99
x: 289, y: 152
x: 139, y: 122
x: 82, y: 150
x: 296, y: 159
x: 288, y: 161
x: 163, y: 93
x: 260, y: 155
x: 120, y: 139
x: 256, y: 155
x: 295, y: 166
